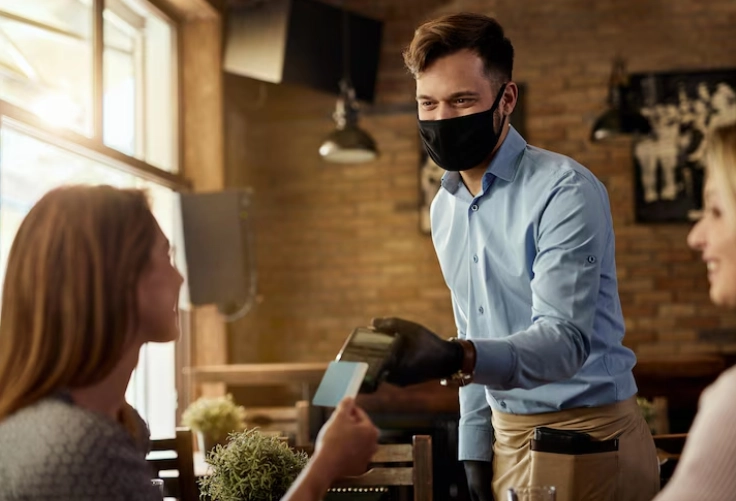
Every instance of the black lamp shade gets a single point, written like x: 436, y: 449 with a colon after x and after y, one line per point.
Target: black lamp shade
x: 349, y: 145
x: 615, y: 122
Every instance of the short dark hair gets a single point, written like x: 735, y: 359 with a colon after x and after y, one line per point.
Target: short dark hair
x: 455, y: 32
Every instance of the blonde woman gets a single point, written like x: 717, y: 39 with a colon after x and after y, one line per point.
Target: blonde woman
x: 89, y: 280
x: 707, y: 469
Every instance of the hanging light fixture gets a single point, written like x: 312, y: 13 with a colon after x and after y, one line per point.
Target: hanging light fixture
x: 348, y: 143
x: 621, y: 117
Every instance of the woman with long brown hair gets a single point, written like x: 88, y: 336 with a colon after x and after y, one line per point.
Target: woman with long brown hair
x: 89, y: 280
x: 707, y: 469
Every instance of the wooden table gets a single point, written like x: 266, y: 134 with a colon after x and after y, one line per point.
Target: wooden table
x: 426, y: 398
x: 305, y: 374
x: 680, y: 379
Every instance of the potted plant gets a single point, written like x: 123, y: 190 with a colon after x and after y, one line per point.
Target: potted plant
x: 251, y: 467
x: 213, y: 419
x: 648, y: 411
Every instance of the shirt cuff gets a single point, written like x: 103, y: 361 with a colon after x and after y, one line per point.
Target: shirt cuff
x: 495, y: 362
x: 475, y: 443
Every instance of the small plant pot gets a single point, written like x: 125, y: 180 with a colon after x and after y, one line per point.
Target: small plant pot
x: 206, y: 443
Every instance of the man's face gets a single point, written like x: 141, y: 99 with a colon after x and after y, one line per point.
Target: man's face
x: 456, y: 85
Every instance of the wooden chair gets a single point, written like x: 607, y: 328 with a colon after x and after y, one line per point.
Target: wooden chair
x: 669, y: 447
x: 397, y: 465
x: 175, y: 455
x: 292, y: 422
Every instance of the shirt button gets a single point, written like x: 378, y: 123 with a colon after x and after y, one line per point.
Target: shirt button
x: 475, y: 258
x: 503, y: 404
x: 480, y: 310
x: 474, y: 207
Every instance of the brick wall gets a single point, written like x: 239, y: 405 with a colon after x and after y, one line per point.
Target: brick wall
x: 337, y: 245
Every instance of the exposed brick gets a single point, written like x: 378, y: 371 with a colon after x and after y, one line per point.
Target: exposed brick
x: 633, y: 312
x: 656, y: 324
x: 657, y: 348
x: 635, y: 284
x: 703, y: 348
x: 678, y: 335
x: 699, y: 322
x: 676, y: 310
x: 635, y: 337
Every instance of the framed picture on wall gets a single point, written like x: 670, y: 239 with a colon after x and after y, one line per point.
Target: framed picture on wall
x: 669, y: 162
x: 430, y: 174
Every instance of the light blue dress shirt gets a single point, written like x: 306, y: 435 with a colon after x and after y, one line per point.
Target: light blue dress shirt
x: 530, y: 264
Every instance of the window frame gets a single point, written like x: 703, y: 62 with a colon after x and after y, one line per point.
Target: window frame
x: 91, y: 147
x: 98, y: 84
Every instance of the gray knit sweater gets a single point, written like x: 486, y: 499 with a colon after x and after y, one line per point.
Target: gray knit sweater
x: 55, y: 450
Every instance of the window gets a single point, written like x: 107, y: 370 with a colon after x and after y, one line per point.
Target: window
x: 75, y: 112
x: 46, y: 60
x: 139, y: 88
x: 47, y: 67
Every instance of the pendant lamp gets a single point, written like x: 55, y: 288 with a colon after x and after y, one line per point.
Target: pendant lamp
x: 348, y: 143
x: 621, y: 117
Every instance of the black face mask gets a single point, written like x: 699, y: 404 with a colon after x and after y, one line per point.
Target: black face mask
x: 461, y: 143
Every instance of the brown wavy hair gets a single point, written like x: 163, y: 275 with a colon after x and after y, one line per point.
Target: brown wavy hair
x: 452, y: 33
x: 69, y: 297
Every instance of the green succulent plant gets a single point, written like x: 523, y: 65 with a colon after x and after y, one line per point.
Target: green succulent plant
x: 214, y: 417
x: 251, y: 467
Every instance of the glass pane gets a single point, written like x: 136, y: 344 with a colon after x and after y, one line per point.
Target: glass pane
x: 120, y: 102
x: 30, y: 168
x: 46, y: 60
x: 140, y: 83
x: 65, y: 15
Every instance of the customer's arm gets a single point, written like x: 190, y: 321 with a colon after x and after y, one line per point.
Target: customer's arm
x: 707, y: 467
x: 344, y: 447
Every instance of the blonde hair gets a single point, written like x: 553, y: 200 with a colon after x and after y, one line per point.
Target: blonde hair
x: 721, y: 161
x: 69, y: 297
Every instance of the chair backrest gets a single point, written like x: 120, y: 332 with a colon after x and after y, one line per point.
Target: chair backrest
x: 669, y: 447
x: 398, y: 465
x: 172, y: 459
x: 293, y: 421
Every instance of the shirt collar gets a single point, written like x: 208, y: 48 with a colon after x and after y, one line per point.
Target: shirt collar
x: 503, y: 164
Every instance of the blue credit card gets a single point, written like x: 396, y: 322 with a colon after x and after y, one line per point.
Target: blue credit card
x: 341, y: 379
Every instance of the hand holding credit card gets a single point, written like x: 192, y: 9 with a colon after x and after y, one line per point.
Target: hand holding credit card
x: 359, y: 367
x: 341, y: 379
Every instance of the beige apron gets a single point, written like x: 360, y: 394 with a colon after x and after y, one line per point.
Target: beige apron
x: 629, y: 474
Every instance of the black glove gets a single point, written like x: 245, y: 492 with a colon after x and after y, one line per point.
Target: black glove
x: 480, y: 480
x: 419, y: 355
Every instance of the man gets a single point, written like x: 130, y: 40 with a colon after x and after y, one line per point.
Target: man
x: 525, y: 242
